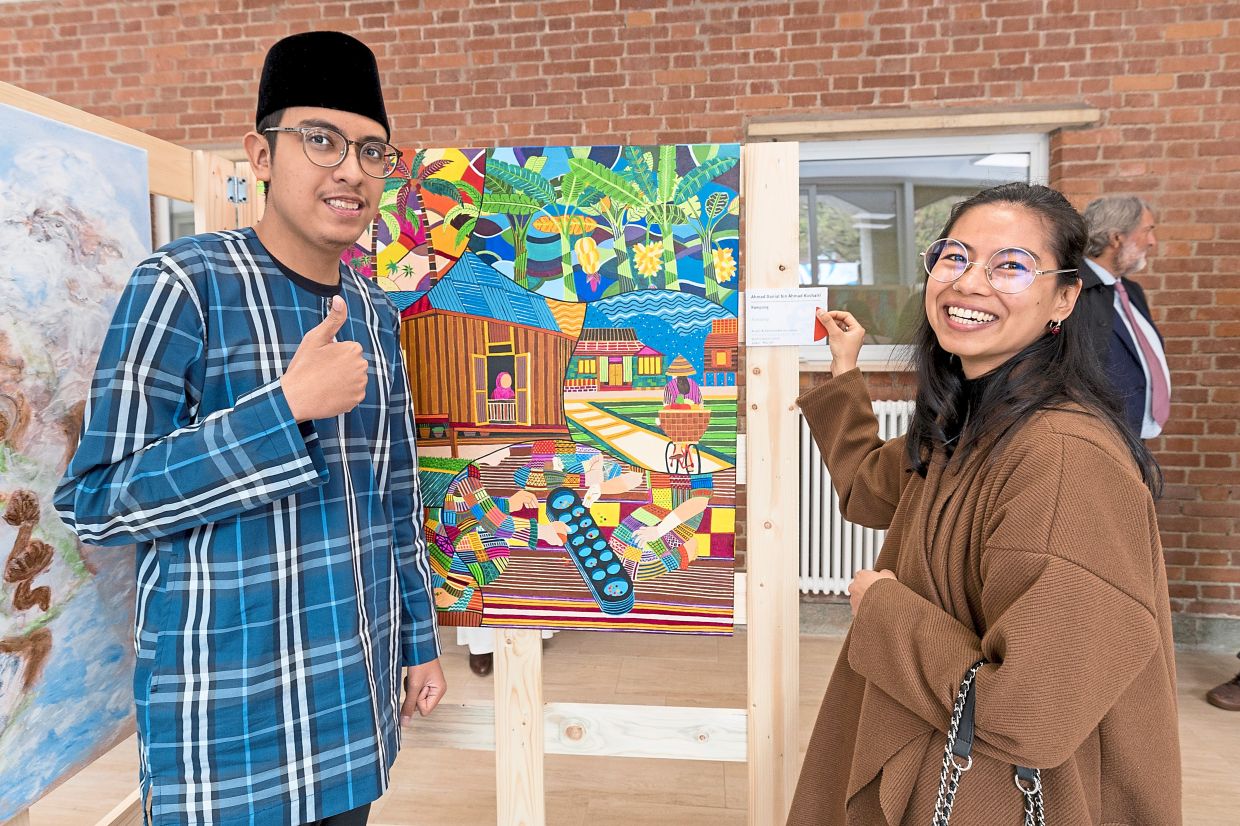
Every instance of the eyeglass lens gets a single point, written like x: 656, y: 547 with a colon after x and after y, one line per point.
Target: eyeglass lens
x: 326, y: 147
x: 1009, y: 270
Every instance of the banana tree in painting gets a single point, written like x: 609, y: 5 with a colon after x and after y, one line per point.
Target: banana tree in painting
x: 564, y: 217
x: 560, y: 203
x: 518, y: 193
x: 619, y: 200
x: 567, y: 227
x: 657, y: 191
x: 718, y: 266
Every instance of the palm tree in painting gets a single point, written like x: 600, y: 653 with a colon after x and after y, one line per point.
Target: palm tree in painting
x: 402, y: 208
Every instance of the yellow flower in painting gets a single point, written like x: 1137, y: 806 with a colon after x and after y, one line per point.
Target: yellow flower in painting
x: 648, y: 257
x: 725, y: 267
x: 588, y: 258
x: 587, y: 255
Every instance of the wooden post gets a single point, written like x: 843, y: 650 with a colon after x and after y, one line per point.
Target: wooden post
x: 22, y: 818
x: 212, y: 209
x: 126, y: 813
x: 519, y: 736
x: 770, y: 258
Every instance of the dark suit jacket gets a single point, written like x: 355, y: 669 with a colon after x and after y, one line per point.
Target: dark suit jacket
x: 1095, y: 316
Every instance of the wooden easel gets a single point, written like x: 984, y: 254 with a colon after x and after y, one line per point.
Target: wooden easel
x: 520, y: 726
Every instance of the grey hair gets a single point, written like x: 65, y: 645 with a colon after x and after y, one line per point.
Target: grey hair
x: 1111, y: 214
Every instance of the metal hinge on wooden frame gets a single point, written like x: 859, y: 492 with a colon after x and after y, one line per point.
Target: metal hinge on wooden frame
x: 236, y: 190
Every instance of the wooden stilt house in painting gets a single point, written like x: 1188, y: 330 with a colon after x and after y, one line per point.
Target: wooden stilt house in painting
x: 499, y: 355
x: 721, y: 353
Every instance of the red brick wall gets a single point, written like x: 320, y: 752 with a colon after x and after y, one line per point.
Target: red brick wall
x: 1165, y: 73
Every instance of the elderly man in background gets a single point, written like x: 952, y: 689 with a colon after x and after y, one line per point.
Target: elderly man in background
x: 1114, y: 314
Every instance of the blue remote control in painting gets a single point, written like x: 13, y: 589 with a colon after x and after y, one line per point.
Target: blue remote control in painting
x: 598, y: 564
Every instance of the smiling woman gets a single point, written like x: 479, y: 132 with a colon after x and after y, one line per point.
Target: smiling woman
x: 983, y: 299
x: 1001, y: 559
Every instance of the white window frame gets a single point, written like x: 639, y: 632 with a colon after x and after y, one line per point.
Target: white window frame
x: 894, y: 357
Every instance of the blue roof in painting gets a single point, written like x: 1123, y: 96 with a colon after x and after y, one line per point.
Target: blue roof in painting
x: 404, y: 299
x: 474, y: 288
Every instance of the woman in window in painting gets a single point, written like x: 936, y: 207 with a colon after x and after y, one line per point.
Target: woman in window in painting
x: 1021, y: 540
x: 503, y: 392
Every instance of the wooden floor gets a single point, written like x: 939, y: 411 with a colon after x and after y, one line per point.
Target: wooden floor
x: 457, y: 788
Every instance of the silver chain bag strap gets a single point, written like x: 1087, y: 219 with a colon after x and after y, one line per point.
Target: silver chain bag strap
x: 958, y: 759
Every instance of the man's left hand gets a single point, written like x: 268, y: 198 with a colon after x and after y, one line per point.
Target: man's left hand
x: 424, y: 688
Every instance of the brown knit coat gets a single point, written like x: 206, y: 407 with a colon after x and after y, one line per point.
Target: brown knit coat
x: 1041, y: 556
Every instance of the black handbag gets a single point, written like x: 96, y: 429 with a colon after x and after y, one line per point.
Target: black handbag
x: 958, y: 759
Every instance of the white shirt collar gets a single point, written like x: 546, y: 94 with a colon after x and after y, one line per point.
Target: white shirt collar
x: 1103, y: 276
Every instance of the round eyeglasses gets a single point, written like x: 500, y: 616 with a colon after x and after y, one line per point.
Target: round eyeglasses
x: 327, y: 148
x: 1009, y: 270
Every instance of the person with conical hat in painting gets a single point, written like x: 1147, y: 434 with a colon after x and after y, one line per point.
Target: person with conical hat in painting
x: 681, y: 387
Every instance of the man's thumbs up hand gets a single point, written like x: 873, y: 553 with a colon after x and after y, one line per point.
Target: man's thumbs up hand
x: 325, y: 377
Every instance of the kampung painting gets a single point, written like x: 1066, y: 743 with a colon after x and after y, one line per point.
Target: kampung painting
x: 569, y: 319
x: 74, y: 218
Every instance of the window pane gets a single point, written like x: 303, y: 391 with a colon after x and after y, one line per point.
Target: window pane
x: 807, y: 278
x: 872, y: 218
x: 932, y: 205
x: 857, y: 234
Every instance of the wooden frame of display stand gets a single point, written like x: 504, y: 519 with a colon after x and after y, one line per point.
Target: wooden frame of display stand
x: 197, y: 177
x: 520, y: 726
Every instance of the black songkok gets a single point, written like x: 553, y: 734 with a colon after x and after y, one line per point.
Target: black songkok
x: 331, y: 70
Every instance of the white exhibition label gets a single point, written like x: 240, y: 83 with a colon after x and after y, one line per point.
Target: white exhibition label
x: 782, y: 318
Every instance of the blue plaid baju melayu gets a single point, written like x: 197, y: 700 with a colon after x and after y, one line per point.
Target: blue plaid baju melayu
x: 282, y: 572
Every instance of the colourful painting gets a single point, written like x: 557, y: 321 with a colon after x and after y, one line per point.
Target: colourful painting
x: 570, y: 325
x: 74, y: 217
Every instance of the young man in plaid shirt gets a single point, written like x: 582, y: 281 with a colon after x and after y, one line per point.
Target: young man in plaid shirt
x: 250, y: 429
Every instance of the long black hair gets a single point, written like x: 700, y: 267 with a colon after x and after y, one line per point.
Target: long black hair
x: 1054, y: 371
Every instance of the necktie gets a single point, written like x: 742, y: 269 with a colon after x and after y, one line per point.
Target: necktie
x: 1160, y: 393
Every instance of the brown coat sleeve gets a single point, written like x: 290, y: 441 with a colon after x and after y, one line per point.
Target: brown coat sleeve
x: 1068, y: 594
x: 867, y: 473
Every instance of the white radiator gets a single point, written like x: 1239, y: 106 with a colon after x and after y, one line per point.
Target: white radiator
x: 832, y: 548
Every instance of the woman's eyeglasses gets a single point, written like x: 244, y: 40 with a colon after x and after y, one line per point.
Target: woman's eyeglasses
x: 1009, y: 270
